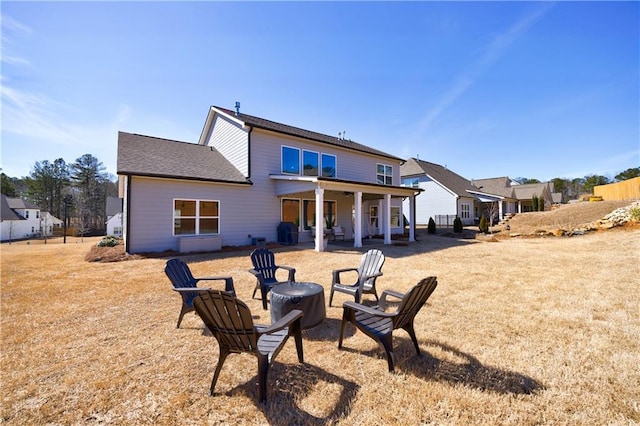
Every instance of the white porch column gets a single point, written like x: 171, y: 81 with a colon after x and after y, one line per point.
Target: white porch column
x: 357, y: 231
x: 387, y: 218
x: 500, y: 214
x: 319, y: 246
x: 412, y: 219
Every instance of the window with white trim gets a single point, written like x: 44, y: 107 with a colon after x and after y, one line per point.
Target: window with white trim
x: 413, y: 182
x: 290, y: 160
x: 329, y: 168
x: 395, y: 217
x: 373, y: 216
x: 196, y: 217
x: 310, y: 164
x: 464, y: 210
x: 309, y: 213
x: 291, y: 211
x: 384, y: 174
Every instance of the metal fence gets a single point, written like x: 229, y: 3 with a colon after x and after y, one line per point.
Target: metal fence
x: 444, y: 220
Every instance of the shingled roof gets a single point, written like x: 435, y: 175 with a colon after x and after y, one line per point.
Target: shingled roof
x: 499, y: 186
x: 450, y: 180
x: 156, y: 157
x: 273, y: 126
x: 6, y: 212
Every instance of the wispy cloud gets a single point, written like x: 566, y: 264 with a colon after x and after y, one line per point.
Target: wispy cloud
x: 11, y: 27
x: 43, y: 122
x: 489, y: 54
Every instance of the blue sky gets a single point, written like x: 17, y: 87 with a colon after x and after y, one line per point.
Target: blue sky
x: 520, y: 89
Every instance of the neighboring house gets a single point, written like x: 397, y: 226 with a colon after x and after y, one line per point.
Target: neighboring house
x: 114, y: 216
x: 22, y: 219
x: 446, y: 195
x: 245, y: 176
x: 518, y: 197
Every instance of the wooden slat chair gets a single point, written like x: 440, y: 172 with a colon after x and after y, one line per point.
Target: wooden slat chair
x: 231, y: 323
x: 184, y: 283
x: 379, y: 325
x: 369, y: 270
x: 265, y: 269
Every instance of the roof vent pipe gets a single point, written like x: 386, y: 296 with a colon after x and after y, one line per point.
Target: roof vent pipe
x: 237, y: 108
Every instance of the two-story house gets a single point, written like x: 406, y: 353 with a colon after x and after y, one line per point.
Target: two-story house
x: 247, y: 175
x: 446, y: 195
x: 21, y: 219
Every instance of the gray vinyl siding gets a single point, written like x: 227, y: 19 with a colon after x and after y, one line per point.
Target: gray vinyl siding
x: 350, y: 165
x: 231, y: 140
x: 241, y: 213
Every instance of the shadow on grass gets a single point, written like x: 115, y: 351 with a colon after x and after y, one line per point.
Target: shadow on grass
x: 293, y: 392
x: 468, y: 372
x: 328, y: 331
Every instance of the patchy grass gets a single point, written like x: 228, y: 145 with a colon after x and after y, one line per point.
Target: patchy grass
x: 518, y: 332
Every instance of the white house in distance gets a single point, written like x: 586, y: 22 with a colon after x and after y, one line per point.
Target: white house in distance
x: 22, y: 219
x: 114, y: 216
x: 247, y: 176
x: 446, y: 195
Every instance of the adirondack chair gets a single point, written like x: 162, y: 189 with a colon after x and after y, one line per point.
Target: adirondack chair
x: 378, y: 324
x: 230, y: 321
x: 369, y: 270
x: 265, y: 269
x: 184, y: 283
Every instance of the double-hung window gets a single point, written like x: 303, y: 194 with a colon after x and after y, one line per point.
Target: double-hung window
x: 384, y: 174
x: 196, y: 217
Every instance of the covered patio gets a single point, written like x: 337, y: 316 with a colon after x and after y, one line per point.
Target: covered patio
x: 364, y: 209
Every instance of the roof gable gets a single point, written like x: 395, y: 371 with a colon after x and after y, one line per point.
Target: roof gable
x: 150, y: 156
x: 447, y: 178
x: 261, y: 123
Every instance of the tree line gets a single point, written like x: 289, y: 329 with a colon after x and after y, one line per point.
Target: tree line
x: 76, y: 191
x: 572, y: 189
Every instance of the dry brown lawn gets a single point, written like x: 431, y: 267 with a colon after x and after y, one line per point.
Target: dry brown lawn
x: 519, y: 331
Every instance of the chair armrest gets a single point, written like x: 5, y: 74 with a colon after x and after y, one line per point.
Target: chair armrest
x: 389, y: 292
x: 259, y: 275
x: 292, y: 272
x: 392, y: 293
x: 337, y: 272
x: 367, y: 309
x: 288, y: 268
x: 187, y: 289
x: 228, y: 282
x: 283, y: 322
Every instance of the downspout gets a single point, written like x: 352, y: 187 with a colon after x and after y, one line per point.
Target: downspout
x: 127, y: 240
x: 249, y: 152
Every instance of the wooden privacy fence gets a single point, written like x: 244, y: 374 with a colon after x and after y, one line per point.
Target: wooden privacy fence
x: 626, y: 190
